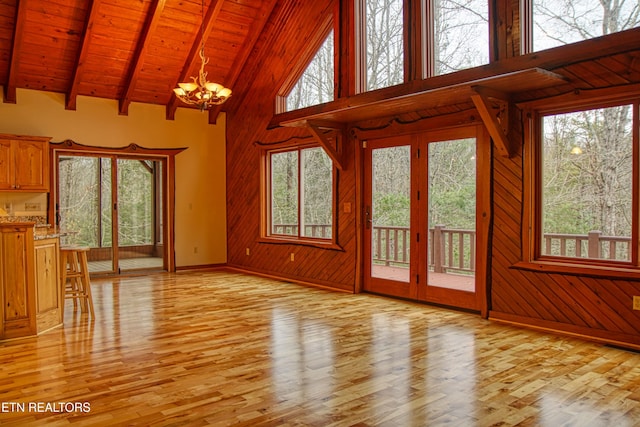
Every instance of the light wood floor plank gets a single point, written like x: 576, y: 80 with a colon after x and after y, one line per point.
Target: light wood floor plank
x: 222, y: 348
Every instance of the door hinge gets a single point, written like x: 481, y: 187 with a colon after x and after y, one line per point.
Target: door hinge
x: 418, y: 153
x: 418, y: 194
x: 417, y: 279
x: 418, y: 237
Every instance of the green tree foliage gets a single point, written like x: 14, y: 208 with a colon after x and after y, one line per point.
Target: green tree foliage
x: 586, y: 171
x: 86, y: 200
x: 391, y: 186
x: 452, y: 183
x: 284, y: 188
x: 135, y: 202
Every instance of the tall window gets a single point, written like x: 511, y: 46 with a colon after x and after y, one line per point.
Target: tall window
x: 586, y: 162
x: 315, y: 86
x: 384, y: 35
x: 460, y: 31
x: 300, y: 193
x: 559, y: 22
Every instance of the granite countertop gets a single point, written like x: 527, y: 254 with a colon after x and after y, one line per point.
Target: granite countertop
x: 41, y: 230
x: 45, y: 232
x: 42, y: 236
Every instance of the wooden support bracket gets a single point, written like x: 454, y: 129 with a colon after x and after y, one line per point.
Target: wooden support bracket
x: 493, y: 107
x: 325, y: 139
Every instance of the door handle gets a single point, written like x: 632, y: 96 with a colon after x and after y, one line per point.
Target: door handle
x: 367, y: 215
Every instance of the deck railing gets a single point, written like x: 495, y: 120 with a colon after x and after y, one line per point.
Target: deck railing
x: 592, y: 245
x: 450, y: 250
x: 320, y: 231
x: 453, y: 250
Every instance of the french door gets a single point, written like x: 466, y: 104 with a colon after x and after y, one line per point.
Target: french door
x: 424, y: 238
x: 113, y: 205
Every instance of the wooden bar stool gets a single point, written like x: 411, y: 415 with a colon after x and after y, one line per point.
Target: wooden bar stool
x: 75, y: 277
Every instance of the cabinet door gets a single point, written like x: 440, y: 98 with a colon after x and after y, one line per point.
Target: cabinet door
x: 6, y: 165
x: 49, y: 300
x: 17, y: 280
x: 32, y: 165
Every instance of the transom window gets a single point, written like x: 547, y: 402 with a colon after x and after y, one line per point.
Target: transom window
x: 300, y: 193
x: 384, y: 35
x: 457, y: 37
x: 315, y: 86
x: 560, y: 22
x: 460, y: 34
x: 586, y: 164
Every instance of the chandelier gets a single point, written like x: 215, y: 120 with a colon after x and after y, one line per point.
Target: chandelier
x: 200, y: 92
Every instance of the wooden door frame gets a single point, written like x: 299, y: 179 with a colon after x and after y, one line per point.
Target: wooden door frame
x: 451, y: 297
x: 483, y: 208
x: 411, y: 290
x: 132, y: 151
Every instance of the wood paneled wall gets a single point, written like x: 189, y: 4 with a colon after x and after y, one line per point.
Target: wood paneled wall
x: 247, y: 134
x: 599, y: 308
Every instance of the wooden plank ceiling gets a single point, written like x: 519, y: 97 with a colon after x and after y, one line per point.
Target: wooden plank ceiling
x: 127, y: 50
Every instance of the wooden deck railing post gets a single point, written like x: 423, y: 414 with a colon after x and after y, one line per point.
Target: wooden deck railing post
x: 438, y: 248
x: 594, y: 244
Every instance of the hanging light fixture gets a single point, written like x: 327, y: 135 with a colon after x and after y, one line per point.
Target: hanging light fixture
x: 200, y: 92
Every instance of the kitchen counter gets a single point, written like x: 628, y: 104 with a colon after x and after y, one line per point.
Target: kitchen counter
x: 41, y: 233
x: 30, y: 293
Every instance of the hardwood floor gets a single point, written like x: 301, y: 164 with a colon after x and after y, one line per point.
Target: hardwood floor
x: 223, y: 348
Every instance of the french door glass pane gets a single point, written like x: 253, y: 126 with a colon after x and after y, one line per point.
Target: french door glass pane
x: 390, y: 212
x: 452, y: 214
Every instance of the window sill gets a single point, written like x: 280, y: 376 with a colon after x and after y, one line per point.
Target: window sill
x: 315, y: 243
x: 579, y: 269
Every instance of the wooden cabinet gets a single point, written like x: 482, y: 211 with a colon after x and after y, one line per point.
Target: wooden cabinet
x: 49, y: 298
x: 31, y: 299
x: 17, y: 280
x: 24, y: 163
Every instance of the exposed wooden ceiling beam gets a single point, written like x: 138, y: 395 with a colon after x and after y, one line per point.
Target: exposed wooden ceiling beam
x: 243, y: 56
x: 194, y: 54
x: 150, y: 24
x: 18, y: 31
x: 72, y: 93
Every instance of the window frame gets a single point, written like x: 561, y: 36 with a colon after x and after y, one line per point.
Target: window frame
x: 266, y: 234
x: 527, y: 24
x: 361, y: 48
x: 532, y: 241
x: 315, y: 43
x: 429, y: 47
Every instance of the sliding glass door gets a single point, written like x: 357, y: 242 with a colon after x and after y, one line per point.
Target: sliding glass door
x: 113, y: 206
